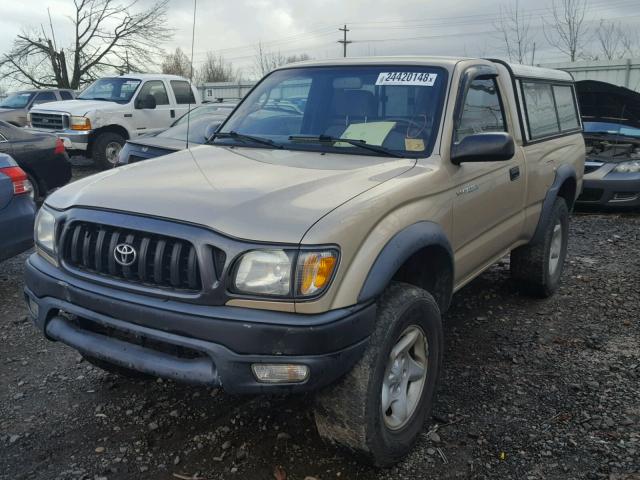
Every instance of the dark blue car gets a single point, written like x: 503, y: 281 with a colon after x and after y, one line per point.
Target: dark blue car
x: 17, y: 209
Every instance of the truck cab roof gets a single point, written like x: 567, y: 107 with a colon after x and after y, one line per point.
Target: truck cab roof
x: 516, y: 70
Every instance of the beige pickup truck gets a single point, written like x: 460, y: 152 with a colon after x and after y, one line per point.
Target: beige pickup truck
x: 315, y: 241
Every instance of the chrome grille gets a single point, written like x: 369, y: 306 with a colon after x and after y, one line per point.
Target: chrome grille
x: 160, y: 261
x: 51, y: 121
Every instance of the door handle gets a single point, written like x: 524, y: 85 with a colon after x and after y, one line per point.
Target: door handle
x: 173, y: 113
x: 514, y: 173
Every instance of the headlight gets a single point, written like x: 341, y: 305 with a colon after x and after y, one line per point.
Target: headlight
x: 45, y: 230
x: 264, y: 272
x: 628, y: 167
x: 79, y: 123
x: 271, y: 272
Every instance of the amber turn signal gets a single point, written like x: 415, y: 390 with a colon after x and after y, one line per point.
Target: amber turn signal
x: 315, y: 270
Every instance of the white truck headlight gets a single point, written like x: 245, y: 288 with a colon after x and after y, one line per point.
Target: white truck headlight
x: 628, y: 167
x: 79, y: 123
x: 44, y: 231
x: 272, y: 272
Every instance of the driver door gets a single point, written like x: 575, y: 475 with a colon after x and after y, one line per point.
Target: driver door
x: 153, y: 120
x: 489, y: 196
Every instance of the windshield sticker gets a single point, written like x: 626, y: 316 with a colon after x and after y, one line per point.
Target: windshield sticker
x: 414, y: 144
x: 373, y: 133
x: 421, y: 79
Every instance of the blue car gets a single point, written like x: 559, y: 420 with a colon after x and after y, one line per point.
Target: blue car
x: 17, y: 209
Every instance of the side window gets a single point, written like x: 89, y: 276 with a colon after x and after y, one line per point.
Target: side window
x: 64, y: 95
x: 44, y: 97
x: 182, y: 91
x: 482, y: 110
x: 541, y: 110
x: 567, y: 112
x: 157, y: 90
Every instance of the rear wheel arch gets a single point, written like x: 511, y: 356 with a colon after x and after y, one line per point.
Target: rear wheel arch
x: 564, y: 186
x: 419, y: 255
x: 568, y: 191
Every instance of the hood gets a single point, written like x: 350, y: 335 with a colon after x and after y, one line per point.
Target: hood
x: 12, y: 112
x: 252, y: 194
x: 159, y: 142
x: 608, y: 103
x: 76, y: 107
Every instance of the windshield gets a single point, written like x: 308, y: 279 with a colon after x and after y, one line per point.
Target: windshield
x: 611, y: 128
x: 394, y: 107
x: 199, y: 129
x: 117, y: 89
x: 17, y: 100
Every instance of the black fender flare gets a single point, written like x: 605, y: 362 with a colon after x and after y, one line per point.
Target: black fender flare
x: 563, y: 173
x: 397, y: 251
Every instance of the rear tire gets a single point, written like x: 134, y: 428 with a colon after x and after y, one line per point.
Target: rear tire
x: 351, y: 413
x: 106, y: 148
x: 537, y: 268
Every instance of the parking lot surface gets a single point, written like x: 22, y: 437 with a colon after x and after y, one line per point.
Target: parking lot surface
x: 532, y: 389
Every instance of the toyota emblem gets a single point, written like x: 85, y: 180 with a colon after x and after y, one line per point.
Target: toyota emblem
x: 124, y: 254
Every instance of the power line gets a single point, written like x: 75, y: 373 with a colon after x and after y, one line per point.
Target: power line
x: 344, y: 40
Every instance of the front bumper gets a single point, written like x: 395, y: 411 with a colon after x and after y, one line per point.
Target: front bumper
x: 613, y: 190
x: 72, y: 139
x: 213, y: 346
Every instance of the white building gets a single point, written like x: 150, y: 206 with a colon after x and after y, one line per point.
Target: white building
x: 623, y: 72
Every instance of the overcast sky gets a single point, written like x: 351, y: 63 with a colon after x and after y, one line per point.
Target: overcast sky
x: 393, y: 27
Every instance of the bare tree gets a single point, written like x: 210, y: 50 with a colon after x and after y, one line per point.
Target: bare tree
x: 297, y: 58
x: 177, y: 63
x: 215, y: 69
x: 630, y: 43
x: 513, y: 25
x: 265, y: 61
x: 567, y: 30
x: 107, y: 35
x: 609, y: 38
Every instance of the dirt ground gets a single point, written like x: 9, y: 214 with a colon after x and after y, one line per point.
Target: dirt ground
x: 532, y: 389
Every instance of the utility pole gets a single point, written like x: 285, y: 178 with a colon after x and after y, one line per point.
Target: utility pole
x: 344, y: 41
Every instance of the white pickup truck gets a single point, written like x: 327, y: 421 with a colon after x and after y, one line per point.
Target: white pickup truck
x: 113, y: 110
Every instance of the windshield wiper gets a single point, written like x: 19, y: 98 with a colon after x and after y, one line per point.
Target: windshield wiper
x: 243, y: 138
x: 356, y: 143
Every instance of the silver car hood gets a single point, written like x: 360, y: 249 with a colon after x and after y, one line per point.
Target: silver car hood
x: 247, y: 193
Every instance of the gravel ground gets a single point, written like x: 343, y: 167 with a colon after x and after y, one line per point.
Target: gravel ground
x: 531, y: 390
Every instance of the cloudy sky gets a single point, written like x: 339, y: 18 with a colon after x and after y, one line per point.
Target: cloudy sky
x: 233, y: 28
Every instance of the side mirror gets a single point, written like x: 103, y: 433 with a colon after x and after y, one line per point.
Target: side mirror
x: 147, y: 102
x: 483, y: 147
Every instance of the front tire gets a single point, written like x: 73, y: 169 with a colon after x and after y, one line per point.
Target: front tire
x: 537, y: 268
x: 106, y: 148
x: 378, y: 408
